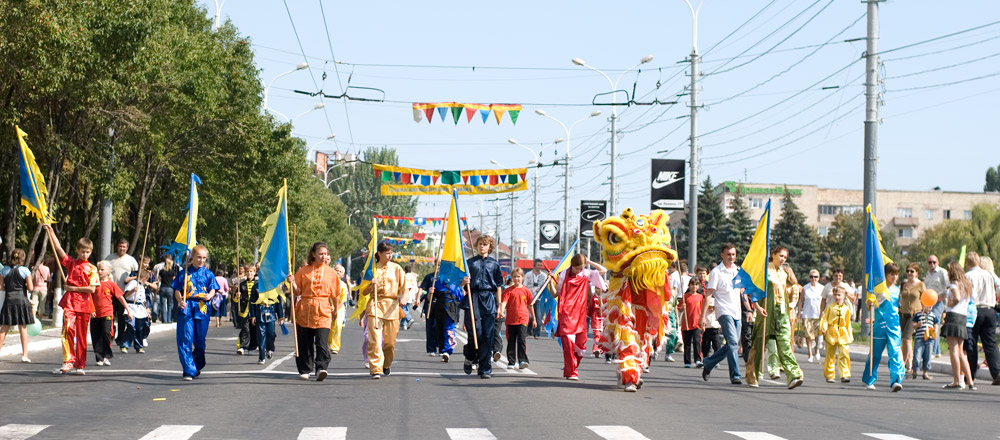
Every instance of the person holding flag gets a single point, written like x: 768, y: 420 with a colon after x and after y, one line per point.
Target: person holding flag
x: 485, y: 284
x: 572, y: 293
x: 194, y: 288
x: 880, y: 284
x: 383, y: 311
x: 772, y: 323
x: 314, y: 289
x: 722, y: 286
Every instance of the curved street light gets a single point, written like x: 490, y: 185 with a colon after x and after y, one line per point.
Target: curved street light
x: 267, y: 87
x: 315, y: 107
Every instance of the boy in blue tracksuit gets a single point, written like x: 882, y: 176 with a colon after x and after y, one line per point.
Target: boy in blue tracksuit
x: 193, y: 311
x: 263, y: 314
x: 444, y: 307
x: 886, y: 334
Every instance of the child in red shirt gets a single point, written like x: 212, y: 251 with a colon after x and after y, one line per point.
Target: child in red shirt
x: 102, y: 321
x: 81, y: 282
x: 690, y: 310
x: 514, y: 305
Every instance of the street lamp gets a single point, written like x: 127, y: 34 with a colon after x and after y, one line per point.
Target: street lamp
x: 267, y: 87
x: 614, y: 117
x: 350, y: 254
x: 315, y: 107
x: 566, y: 189
x: 534, y: 225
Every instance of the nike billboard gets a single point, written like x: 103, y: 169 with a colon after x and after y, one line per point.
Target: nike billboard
x: 591, y: 211
x: 667, y: 184
x: 549, y: 233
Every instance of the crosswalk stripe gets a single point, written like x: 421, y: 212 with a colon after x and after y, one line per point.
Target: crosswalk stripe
x: 750, y: 435
x: 20, y: 432
x: 172, y: 432
x: 612, y: 432
x: 463, y: 337
x: 470, y: 434
x: 888, y: 436
x: 326, y: 433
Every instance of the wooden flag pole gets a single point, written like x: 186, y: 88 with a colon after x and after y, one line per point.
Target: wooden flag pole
x: 437, y: 267
x: 237, y: 248
x: 291, y: 289
x: 58, y: 263
x: 145, y: 236
x: 871, y: 337
x: 468, y: 291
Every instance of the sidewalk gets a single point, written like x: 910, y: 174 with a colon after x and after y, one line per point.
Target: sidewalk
x: 52, y: 338
x: 859, y: 353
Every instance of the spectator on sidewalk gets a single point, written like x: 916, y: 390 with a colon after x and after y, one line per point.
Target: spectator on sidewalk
x: 937, y: 280
x: 809, y: 311
x: 985, y: 286
x: 40, y: 278
x: 925, y: 324
x: 689, y: 308
x: 16, y: 307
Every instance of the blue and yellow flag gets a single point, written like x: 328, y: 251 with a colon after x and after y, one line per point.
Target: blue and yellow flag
x: 275, y: 265
x: 752, y: 276
x: 33, y: 191
x: 453, y: 251
x: 875, y: 257
x: 187, y: 235
x: 368, y: 273
x: 564, y: 263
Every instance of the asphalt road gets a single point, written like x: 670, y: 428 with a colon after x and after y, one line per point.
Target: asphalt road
x: 143, y: 397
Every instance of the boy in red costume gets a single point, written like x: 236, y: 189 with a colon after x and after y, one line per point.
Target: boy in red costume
x: 77, y: 305
x: 572, y: 291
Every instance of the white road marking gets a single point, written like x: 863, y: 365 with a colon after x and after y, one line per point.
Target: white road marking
x: 755, y: 435
x: 172, y: 432
x: 411, y: 340
x: 333, y: 433
x: 275, y: 364
x: 224, y: 339
x: 470, y: 434
x: 888, y: 436
x: 612, y: 432
x: 772, y: 382
x: 463, y: 338
x: 20, y: 432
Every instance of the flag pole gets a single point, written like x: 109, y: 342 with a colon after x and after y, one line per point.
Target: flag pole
x: 291, y: 289
x: 145, y: 236
x: 871, y: 337
x: 468, y: 290
x: 437, y: 267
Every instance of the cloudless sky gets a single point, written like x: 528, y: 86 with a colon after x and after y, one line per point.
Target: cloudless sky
x: 767, y: 117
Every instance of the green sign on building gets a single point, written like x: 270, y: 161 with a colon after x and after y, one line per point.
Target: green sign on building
x: 775, y: 190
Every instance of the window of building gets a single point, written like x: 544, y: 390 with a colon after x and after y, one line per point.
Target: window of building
x: 905, y: 232
x: 946, y: 214
x: 851, y: 209
x: 828, y: 210
x: 905, y: 212
x: 967, y: 214
x: 756, y: 202
x: 929, y: 213
x: 822, y: 231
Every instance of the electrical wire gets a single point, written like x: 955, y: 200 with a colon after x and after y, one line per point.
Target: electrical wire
x: 768, y: 36
x: 907, y: 46
x: 329, y: 41
x: 944, y: 67
x: 950, y: 83
x: 304, y: 57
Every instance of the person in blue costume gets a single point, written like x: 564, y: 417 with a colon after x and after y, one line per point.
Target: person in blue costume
x: 199, y: 285
x: 886, y: 334
x: 443, y: 314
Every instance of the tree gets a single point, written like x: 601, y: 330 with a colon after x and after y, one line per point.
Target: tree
x: 981, y: 234
x: 846, y: 243
x: 739, y: 226
x: 711, y: 227
x: 792, y: 232
x: 992, y: 179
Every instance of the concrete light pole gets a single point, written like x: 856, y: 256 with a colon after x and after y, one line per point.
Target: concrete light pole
x: 693, y: 173
x: 565, y: 227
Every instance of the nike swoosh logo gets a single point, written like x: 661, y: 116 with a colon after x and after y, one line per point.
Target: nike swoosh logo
x: 657, y: 184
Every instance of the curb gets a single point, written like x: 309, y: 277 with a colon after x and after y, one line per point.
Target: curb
x: 52, y: 338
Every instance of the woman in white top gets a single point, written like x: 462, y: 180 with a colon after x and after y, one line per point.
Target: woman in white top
x: 957, y: 299
x: 138, y: 304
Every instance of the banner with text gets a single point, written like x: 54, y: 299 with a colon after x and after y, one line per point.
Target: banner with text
x: 667, y: 184
x: 548, y: 234
x: 400, y: 181
x: 591, y: 211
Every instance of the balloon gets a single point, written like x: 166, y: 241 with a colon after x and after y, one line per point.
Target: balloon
x: 928, y: 298
x: 35, y: 328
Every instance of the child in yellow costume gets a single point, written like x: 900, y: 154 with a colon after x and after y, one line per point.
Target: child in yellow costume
x: 835, y: 325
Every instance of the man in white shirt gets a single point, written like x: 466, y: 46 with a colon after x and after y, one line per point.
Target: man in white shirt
x: 809, y: 311
x: 936, y: 280
x: 122, y: 268
x: 534, y: 280
x: 838, y: 280
x: 984, y: 295
x: 727, y: 311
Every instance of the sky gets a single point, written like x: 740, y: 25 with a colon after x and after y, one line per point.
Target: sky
x: 783, y: 92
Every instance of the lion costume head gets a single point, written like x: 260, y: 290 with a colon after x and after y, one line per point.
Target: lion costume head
x: 636, y: 247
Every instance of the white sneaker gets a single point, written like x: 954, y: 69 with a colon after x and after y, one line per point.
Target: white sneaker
x: 524, y: 365
x: 445, y: 357
x: 304, y: 376
x: 107, y: 362
x: 631, y: 389
x: 145, y: 343
x: 870, y: 387
x: 240, y: 351
x: 670, y: 358
x: 810, y: 360
x: 260, y: 362
x: 496, y: 357
x: 78, y: 372
x: 432, y: 354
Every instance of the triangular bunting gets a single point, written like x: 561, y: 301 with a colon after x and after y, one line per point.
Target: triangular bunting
x: 498, y: 112
x: 485, y: 113
x: 513, y: 116
x: 429, y: 111
x: 405, y: 178
x: 503, y: 178
x: 523, y: 175
x: 456, y: 112
x: 469, y: 113
x: 512, y: 179
x: 443, y: 112
x: 475, y: 181
x: 465, y: 180
x: 396, y: 176
x: 418, y: 115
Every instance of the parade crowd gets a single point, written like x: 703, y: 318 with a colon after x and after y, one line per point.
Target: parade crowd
x: 706, y: 315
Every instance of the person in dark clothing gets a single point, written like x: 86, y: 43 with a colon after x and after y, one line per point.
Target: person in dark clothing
x: 442, y: 316
x: 247, y: 341
x: 485, y: 282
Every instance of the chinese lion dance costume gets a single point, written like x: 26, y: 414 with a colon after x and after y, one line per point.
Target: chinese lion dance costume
x: 637, y: 254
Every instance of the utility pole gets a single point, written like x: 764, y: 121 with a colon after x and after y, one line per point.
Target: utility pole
x: 106, y: 212
x: 871, y: 120
x: 693, y: 174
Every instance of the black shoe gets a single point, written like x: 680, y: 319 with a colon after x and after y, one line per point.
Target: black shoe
x: 385, y: 371
x: 996, y: 380
x: 736, y: 382
x: 705, y: 373
x: 467, y: 367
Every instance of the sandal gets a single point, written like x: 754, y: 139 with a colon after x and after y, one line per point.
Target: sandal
x: 952, y: 386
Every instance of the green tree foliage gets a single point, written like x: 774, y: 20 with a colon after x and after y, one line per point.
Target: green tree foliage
x: 846, y: 243
x: 981, y: 234
x: 992, y: 179
x: 711, y: 227
x: 124, y: 100
x: 792, y: 232
x: 739, y: 226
